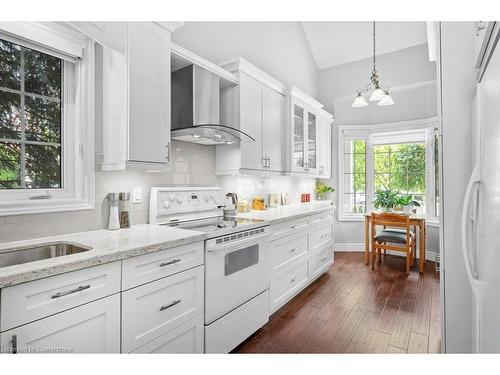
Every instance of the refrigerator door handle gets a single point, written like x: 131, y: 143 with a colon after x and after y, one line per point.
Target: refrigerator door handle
x: 473, y: 277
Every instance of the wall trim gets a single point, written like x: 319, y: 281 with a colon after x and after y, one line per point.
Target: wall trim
x: 360, y: 247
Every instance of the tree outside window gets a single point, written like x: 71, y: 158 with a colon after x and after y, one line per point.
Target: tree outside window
x: 30, y: 118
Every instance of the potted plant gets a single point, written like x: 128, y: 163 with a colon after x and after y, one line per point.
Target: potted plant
x: 323, y: 191
x: 386, y: 199
x: 404, y: 203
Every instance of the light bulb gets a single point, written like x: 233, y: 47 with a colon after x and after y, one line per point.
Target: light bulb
x: 377, y: 95
x: 359, y: 101
x: 386, y: 100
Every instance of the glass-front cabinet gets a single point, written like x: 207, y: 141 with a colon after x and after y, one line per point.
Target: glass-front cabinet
x: 304, y: 137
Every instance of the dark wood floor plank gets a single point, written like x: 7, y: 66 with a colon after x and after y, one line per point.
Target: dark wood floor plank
x: 353, y: 309
x: 378, y: 342
x: 418, y: 343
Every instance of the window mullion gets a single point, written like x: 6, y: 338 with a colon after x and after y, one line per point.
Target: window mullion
x: 23, y: 125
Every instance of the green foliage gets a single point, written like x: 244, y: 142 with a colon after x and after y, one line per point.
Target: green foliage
x: 322, y: 188
x: 404, y: 200
x: 39, y: 120
x: 400, y: 167
x: 359, y: 165
x: 386, y: 198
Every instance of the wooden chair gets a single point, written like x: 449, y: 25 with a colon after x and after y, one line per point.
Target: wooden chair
x: 395, y: 235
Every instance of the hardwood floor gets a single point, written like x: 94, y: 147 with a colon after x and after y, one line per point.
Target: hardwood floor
x: 352, y: 309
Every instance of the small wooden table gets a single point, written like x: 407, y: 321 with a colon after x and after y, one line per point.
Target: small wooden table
x: 416, y: 221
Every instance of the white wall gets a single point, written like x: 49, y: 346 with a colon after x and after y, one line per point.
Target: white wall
x: 278, y: 48
x: 412, y: 79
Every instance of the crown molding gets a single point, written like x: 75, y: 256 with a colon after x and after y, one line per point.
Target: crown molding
x: 240, y: 65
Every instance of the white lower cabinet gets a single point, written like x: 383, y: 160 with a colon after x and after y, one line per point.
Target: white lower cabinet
x: 320, y: 262
x: 90, y: 328
x: 286, y: 284
x: 154, y: 309
x: 300, y: 252
x: 185, y: 339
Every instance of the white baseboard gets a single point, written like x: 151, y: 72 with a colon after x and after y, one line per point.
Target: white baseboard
x: 360, y: 247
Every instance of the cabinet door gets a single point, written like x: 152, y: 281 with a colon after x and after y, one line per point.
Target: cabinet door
x: 325, y: 148
x: 298, y: 141
x: 91, y: 328
x: 272, y: 131
x: 251, y: 122
x: 149, y: 93
x: 312, y: 143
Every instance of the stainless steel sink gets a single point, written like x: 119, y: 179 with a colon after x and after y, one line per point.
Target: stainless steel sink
x: 32, y: 254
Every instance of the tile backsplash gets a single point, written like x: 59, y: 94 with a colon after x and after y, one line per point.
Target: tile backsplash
x: 248, y: 187
x: 191, y: 165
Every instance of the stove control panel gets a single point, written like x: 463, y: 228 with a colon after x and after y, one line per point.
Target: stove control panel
x: 169, y: 201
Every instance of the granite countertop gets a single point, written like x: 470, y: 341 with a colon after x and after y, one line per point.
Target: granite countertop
x: 106, y: 246
x: 284, y: 213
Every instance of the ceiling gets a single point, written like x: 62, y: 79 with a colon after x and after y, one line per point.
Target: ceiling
x: 336, y: 43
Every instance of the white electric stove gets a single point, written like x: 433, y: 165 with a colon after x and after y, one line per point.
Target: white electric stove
x: 236, y: 261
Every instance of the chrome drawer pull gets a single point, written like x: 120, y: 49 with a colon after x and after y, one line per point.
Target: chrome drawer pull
x: 173, y: 303
x: 170, y: 262
x: 293, y: 279
x: 323, y: 236
x: 322, y: 260
x: 292, y: 250
x: 79, y: 289
x: 292, y: 227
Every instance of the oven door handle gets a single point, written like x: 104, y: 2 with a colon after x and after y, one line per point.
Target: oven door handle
x: 232, y: 244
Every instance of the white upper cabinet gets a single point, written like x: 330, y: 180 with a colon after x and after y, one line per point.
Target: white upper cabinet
x: 302, y: 149
x: 256, y: 106
x: 325, y: 120
x: 136, y: 98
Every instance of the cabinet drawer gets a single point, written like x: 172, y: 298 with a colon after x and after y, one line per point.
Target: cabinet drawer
x: 320, y: 262
x: 322, y: 217
x: 91, y: 328
x: 287, y: 283
x: 285, y: 250
x: 321, y: 235
x: 145, y: 268
x: 232, y: 329
x: 153, y: 309
x: 281, y: 230
x: 24, y: 303
x: 186, y: 339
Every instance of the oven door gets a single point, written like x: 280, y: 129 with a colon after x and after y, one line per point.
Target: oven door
x: 235, y: 272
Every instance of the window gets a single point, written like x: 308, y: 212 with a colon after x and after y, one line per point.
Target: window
x: 354, y: 192
x: 401, y: 167
x: 401, y: 157
x: 30, y: 118
x: 46, y: 118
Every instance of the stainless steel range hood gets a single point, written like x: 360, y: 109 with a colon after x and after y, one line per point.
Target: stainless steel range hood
x: 195, y: 109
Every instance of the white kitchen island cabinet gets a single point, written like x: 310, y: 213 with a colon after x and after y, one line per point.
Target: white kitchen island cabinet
x: 257, y: 107
x: 91, y: 328
x: 136, y: 99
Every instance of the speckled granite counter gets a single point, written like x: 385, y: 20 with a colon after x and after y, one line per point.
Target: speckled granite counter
x: 285, y: 213
x: 106, y: 246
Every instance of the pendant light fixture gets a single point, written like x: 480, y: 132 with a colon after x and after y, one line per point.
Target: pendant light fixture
x: 376, y: 92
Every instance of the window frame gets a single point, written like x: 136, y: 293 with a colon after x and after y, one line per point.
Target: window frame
x: 77, y: 131
x: 393, y: 131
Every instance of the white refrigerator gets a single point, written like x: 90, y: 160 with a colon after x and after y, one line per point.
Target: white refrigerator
x: 480, y: 229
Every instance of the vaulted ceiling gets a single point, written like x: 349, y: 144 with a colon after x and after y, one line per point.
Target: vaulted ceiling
x: 336, y: 43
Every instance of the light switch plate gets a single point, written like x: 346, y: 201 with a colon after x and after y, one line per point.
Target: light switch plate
x: 137, y: 195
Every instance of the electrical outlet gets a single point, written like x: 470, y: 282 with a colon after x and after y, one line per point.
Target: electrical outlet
x: 137, y: 195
